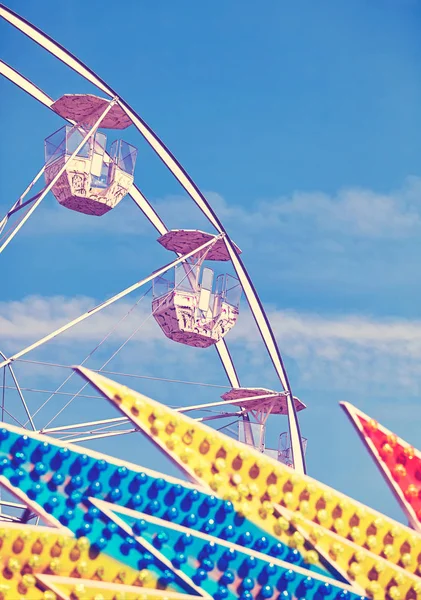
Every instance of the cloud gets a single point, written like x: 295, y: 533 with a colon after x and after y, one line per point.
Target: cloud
x: 357, y: 240
x: 325, y: 352
x: 329, y: 220
x: 344, y: 352
x: 352, y: 212
x: 35, y: 316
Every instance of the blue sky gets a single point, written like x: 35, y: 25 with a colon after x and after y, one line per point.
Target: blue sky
x: 301, y: 123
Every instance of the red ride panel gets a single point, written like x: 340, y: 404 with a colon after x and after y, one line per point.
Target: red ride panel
x: 399, y: 460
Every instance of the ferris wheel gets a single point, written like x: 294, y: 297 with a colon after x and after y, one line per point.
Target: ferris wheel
x: 192, y: 302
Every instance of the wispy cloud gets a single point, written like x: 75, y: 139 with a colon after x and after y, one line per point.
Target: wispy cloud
x: 35, y: 316
x: 351, y: 212
x: 356, y: 239
x: 328, y: 352
x: 348, y: 351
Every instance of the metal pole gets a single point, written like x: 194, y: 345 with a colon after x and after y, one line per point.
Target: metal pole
x: 221, y: 416
x: 101, y: 435
x: 87, y: 424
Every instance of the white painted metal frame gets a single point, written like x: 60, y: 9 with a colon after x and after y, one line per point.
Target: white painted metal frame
x: 136, y: 195
x: 191, y: 188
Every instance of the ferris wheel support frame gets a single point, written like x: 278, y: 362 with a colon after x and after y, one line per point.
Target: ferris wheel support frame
x: 141, y: 202
x: 136, y: 195
x: 194, y: 192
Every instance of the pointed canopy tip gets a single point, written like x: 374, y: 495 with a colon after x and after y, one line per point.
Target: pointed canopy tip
x: 88, y: 373
x: 351, y: 411
x: 110, y: 389
x: 354, y: 413
x: 82, y: 370
x: 94, y: 378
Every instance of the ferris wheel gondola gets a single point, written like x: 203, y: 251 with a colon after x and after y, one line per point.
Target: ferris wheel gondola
x: 94, y: 181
